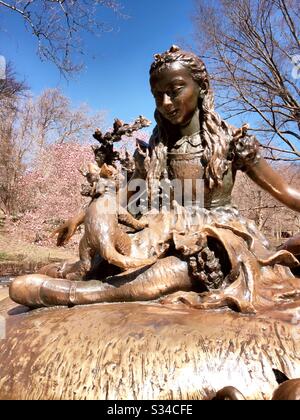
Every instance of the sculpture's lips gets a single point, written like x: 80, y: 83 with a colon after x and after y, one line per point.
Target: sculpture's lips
x: 171, y: 114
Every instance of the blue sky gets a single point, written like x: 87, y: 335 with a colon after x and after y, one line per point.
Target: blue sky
x: 115, y: 77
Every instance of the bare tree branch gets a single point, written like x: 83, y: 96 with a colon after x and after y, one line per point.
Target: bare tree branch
x: 249, y: 46
x: 274, y: 219
x: 59, y: 25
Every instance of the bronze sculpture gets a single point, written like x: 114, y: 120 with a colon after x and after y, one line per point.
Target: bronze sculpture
x: 190, y: 141
x: 292, y: 245
x: 208, y: 258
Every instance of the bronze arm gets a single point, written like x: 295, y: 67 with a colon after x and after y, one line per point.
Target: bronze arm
x: 272, y: 182
x: 67, y: 229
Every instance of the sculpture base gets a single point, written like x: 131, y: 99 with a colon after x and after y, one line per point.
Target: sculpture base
x: 142, y: 351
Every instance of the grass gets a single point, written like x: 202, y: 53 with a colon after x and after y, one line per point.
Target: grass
x: 3, y: 256
x: 18, y: 256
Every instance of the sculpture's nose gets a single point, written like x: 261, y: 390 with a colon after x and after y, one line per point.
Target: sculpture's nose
x: 166, y: 101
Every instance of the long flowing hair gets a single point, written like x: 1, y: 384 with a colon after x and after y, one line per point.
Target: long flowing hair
x: 215, y: 133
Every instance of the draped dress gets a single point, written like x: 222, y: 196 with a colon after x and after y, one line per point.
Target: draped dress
x: 235, y: 262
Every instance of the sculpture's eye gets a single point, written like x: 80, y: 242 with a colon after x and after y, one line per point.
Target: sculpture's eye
x: 158, y: 95
x: 175, y: 91
x: 171, y: 93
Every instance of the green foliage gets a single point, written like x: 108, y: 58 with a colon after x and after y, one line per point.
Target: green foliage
x: 3, y: 256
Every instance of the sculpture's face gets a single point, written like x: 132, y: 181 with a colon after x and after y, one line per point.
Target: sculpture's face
x: 176, y: 93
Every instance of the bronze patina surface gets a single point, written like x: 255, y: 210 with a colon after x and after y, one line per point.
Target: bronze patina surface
x: 190, y: 302
x: 143, y: 351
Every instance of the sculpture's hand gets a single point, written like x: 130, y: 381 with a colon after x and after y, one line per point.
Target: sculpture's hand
x: 67, y: 229
x: 292, y: 245
x: 65, y: 232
